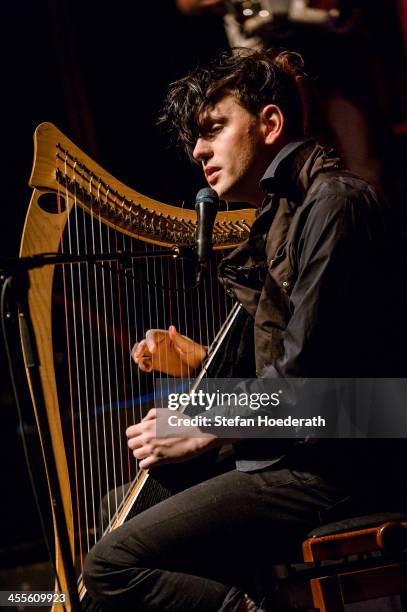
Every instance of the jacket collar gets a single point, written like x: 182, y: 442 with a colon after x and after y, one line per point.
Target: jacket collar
x: 294, y: 167
x: 276, y: 169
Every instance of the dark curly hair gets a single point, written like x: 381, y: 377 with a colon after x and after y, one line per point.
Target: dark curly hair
x: 254, y: 78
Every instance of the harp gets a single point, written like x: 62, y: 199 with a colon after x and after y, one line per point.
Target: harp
x: 85, y: 318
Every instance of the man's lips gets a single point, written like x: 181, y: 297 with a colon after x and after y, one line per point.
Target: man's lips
x: 211, y: 173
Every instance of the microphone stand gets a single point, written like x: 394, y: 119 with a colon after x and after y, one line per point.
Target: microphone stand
x: 15, y: 272
x: 15, y: 265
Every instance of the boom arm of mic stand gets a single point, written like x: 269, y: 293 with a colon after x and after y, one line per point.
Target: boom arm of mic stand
x: 12, y: 265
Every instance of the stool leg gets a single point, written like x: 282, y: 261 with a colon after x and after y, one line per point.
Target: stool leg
x: 326, y: 594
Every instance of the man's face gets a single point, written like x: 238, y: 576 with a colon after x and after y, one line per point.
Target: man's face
x: 232, y: 151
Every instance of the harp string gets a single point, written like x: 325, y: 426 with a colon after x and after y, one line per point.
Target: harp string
x: 85, y: 420
x: 157, y: 323
x: 182, y: 326
x: 114, y: 398
x: 126, y: 348
x: 166, y: 318
x: 132, y: 339
x: 126, y: 342
x: 122, y: 384
x: 91, y: 386
x: 188, y: 330
x: 183, y: 298
x: 106, y: 373
x: 69, y: 298
x: 79, y: 334
x: 205, y: 292
x: 219, y: 302
x: 105, y: 313
x: 94, y: 451
x: 139, y: 307
x: 199, y: 315
x: 92, y: 248
x: 165, y: 268
x: 162, y: 295
x: 77, y: 240
x: 65, y: 283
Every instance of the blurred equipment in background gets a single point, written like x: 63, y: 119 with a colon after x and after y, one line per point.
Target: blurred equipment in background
x: 356, y: 72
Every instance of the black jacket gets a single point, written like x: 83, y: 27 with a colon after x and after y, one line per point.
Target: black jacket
x: 320, y: 272
x: 320, y: 280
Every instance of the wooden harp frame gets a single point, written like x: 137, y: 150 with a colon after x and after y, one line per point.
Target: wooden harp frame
x: 124, y: 210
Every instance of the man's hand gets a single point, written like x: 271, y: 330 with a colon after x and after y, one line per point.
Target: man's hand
x: 168, y: 352
x: 151, y: 451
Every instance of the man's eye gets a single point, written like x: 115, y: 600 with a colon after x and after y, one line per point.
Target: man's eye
x: 215, y: 129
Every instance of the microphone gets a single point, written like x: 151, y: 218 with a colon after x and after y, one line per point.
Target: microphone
x: 206, y: 206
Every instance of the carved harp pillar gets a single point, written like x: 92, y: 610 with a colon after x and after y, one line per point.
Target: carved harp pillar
x: 87, y: 316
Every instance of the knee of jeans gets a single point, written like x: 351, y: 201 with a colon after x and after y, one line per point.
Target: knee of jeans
x: 107, y: 565
x: 103, y: 569
x: 95, y: 571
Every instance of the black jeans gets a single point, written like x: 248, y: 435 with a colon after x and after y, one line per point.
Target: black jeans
x: 202, y: 549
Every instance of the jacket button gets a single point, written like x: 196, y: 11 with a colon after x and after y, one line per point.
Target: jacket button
x: 285, y: 284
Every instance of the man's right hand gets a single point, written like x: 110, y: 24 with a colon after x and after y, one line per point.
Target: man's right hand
x: 168, y: 352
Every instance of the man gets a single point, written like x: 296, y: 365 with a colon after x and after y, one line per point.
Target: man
x: 307, y: 278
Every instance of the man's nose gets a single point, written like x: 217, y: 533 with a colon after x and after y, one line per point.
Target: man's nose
x: 201, y: 150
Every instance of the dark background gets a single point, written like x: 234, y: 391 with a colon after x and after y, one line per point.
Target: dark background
x: 99, y: 72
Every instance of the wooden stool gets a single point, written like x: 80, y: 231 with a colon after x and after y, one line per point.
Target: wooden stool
x: 369, y: 575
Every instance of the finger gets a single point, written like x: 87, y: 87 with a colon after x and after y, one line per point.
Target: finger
x: 182, y: 344
x: 146, y: 427
x: 145, y: 435
x: 134, y: 443
x: 134, y: 430
x: 139, y: 350
x: 134, y: 349
x: 154, y: 337
x: 137, y: 442
x: 142, y: 452
x: 145, y: 364
x: 151, y: 461
x: 148, y: 462
x: 175, y: 337
x: 151, y: 414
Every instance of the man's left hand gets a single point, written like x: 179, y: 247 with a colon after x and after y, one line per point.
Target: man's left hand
x: 152, y: 450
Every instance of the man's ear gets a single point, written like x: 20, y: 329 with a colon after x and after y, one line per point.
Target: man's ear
x: 272, y: 120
